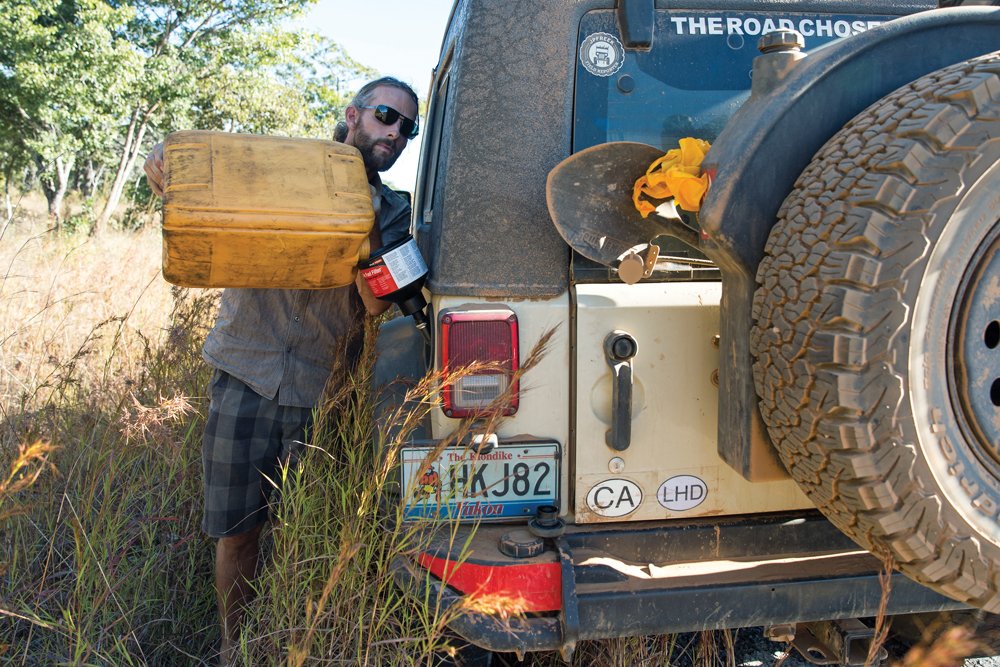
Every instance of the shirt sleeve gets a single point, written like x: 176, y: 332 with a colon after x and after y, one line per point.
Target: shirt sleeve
x: 394, y: 217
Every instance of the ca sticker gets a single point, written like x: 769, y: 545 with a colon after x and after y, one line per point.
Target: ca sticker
x: 602, y: 54
x: 682, y: 492
x: 614, y: 497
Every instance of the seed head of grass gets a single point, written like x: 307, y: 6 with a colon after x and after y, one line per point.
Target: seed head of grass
x: 949, y: 649
x: 153, y: 422
x: 498, y: 605
x: 28, y: 465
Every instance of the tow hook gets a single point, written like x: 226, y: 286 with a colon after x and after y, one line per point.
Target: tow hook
x: 840, y: 642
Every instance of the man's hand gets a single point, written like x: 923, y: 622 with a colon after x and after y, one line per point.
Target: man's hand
x: 373, y: 304
x: 154, y: 170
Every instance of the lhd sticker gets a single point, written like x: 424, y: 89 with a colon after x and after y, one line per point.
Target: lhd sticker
x: 682, y: 493
x: 602, y: 54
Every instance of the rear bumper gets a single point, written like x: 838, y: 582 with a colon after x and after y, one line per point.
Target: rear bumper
x: 706, y: 575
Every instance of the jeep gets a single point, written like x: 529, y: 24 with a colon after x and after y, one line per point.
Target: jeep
x: 742, y: 415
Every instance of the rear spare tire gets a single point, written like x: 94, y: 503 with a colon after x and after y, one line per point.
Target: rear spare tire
x: 877, y: 336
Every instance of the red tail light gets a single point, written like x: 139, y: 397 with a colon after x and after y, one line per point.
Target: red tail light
x: 479, y: 336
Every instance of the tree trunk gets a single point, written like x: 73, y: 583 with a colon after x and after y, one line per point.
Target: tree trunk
x: 55, y: 190
x: 130, y: 151
x: 92, y: 176
x: 8, y: 206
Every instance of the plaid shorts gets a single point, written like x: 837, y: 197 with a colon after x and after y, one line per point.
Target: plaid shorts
x: 247, y: 438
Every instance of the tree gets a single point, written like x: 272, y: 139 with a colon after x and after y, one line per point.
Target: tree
x: 82, y: 82
x: 275, y: 82
x: 213, y: 61
x: 63, y: 72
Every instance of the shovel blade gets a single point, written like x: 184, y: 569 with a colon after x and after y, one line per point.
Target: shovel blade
x: 589, y: 195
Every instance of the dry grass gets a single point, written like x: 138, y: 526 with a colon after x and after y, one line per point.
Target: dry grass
x: 101, y: 558
x: 948, y: 649
x: 68, y: 299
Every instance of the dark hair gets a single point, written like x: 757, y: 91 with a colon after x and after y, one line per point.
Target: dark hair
x: 364, y: 96
x: 340, y: 131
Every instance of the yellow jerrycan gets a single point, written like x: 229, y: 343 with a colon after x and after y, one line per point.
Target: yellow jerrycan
x: 243, y: 210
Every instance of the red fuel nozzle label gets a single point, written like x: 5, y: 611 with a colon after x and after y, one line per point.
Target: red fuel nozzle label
x: 379, y: 279
x: 395, y: 269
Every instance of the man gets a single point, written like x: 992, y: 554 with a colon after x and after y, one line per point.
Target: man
x: 273, y: 351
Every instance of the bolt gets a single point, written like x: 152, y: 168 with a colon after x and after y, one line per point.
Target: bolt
x: 623, y: 348
x: 781, y: 40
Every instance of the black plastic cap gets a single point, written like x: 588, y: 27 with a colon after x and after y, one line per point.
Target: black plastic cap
x: 520, y: 544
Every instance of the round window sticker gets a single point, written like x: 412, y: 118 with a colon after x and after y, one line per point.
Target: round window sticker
x: 602, y: 54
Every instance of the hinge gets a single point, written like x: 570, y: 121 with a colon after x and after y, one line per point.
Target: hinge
x: 636, y: 19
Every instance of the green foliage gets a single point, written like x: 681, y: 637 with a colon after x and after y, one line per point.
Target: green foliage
x: 64, y: 77
x: 97, y: 81
x: 81, y: 220
x: 144, y: 206
x: 275, y: 82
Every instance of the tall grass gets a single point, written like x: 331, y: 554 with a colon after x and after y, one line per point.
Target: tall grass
x: 326, y: 593
x: 102, y: 560
x: 102, y: 399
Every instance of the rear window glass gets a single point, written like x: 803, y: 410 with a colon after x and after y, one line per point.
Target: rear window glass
x: 691, y: 81
x: 695, y: 76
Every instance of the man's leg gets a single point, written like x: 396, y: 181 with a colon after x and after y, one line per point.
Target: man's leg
x: 235, y: 567
x: 241, y: 446
x: 247, y: 438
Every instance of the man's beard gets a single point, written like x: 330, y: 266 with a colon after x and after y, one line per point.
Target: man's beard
x: 378, y: 161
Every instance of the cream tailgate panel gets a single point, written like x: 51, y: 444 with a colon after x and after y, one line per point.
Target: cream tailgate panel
x: 671, y: 469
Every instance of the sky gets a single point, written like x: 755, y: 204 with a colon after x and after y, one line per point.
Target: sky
x: 400, y: 38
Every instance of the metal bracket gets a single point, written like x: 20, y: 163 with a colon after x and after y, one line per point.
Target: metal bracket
x: 571, y: 610
x: 619, y: 348
x: 841, y: 642
x: 636, y: 19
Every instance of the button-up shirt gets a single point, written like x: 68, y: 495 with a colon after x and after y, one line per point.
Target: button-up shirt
x: 283, y: 342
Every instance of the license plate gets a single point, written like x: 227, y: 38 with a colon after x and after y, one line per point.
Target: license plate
x: 509, y: 481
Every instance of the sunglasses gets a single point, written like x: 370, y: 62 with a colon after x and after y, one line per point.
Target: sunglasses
x: 388, y: 116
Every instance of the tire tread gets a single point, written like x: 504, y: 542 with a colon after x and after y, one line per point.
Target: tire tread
x: 830, y: 309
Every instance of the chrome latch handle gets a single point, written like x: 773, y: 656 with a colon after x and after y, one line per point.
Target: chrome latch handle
x: 619, y: 348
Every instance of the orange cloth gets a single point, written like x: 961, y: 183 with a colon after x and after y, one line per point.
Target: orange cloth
x: 677, y: 174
